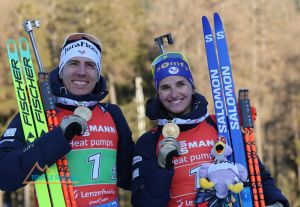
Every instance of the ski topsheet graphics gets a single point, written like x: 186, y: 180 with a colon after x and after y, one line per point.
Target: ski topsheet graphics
x: 225, y: 102
x: 48, y: 188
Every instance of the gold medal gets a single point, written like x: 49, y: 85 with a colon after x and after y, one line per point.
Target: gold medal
x: 171, y: 130
x: 83, y: 112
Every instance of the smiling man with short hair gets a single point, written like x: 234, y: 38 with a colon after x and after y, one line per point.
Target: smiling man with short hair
x: 96, y: 167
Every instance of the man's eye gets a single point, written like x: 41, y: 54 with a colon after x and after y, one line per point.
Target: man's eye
x: 73, y: 63
x: 91, y: 65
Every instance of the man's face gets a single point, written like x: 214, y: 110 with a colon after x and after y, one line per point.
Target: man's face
x: 79, y: 76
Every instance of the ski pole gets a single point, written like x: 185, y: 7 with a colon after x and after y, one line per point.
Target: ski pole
x: 246, y: 127
x: 247, y: 124
x: 63, y: 164
x: 49, y: 107
x: 255, y: 161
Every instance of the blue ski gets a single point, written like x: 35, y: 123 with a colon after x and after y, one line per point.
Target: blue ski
x: 215, y: 81
x: 223, y: 87
x: 231, y: 104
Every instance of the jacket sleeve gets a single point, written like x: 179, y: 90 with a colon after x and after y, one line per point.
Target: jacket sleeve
x: 17, y: 159
x: 150, y: 183
x: 271, y: 193
x: 125, y: 148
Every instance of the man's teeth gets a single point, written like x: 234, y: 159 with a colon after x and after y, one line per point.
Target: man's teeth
x: 80, y: 82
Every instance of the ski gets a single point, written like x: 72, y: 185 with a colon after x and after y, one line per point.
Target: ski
x: 231, y: 104
x: 54, y: 197
x: 215, y: 81
x: 53, y: 178
x: 216, y: 85
x: 224, y: 96
x: 26, y: 115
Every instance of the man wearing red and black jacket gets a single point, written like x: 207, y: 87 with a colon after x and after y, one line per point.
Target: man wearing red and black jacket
x: 99, y: 150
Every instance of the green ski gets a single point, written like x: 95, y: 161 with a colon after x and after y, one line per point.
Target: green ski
x: 39, y: 117
x: 33, y: 120
x: 25, y: 114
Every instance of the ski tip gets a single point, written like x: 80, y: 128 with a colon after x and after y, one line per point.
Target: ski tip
x: 218, y: 22
x: 22, y: 39
x: 9, y: 41
x: 205, y: 25
x: 11, y: 46
x: 217, y: 19
x: 216, y: 15
x: 23, y: 44
x: 205, y: 20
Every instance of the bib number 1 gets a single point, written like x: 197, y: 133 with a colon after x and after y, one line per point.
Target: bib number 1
x: 95, y: 159
x: 92, y: 166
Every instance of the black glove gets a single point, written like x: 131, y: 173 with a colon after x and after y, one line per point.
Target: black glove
x: 73, y: 125
x: 168, y: 148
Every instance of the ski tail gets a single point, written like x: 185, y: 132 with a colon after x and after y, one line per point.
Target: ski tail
x: 247, y: 117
